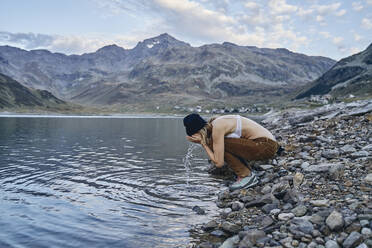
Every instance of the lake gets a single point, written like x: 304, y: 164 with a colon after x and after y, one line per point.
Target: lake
x: 100, y: 182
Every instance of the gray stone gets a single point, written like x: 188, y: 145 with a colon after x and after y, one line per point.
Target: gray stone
x: 352, y: 240
x: 225, y: 212
x: 366, y: 231
x: 268, y: 207
x: 303, y: 225
x: 354, y: 227
x: 265, y: 167
x: 230, y: 227
x: 320, y: 203
x: 205, y: 245
x: 317, y: 219
x: 364, y: 223
x: 230, y: 242
x: 335, y: 221
x: 330, y: 154
x: 305, y: 165
x: 285, y: 216
x: 236, y: 206
x: 359, y: 154
x: 336, y: 172
x: 267, y: 221
x: 324, y: 167
x: 367, y: 147
x: 299, y: 210
x: 362, y: 246
x: 275, y: 211
x: 347, y: 149
x: 266, y: 189
x: 331, y: 244
x: 211, y: 225
x: 253, y: 235
x: 368, y: 179
x: 198, y: 210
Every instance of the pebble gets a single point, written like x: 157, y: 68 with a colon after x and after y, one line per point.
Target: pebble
x: 331, y: 244
x: 299, y: 210
x: 335, y: 221
x: 320, y: 203
x: 352, y: 240
x: 285, y: 216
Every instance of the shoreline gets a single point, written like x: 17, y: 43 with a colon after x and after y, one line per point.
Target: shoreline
x: 316, y: 194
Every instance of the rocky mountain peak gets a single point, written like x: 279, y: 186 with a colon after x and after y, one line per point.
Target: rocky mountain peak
x: 161, y: 41
x: 110, y: 49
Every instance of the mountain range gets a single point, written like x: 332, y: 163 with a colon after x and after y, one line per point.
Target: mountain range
x: 164, y: 70
x: 351, y: 75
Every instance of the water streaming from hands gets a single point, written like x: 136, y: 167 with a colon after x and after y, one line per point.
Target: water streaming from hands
x: 187, y: 160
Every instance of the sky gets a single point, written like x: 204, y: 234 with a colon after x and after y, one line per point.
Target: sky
x: 330, y: 28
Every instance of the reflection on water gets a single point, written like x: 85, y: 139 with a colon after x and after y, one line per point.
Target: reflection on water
x: 78, y: 182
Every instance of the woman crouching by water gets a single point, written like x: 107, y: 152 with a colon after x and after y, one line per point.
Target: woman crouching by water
x: 232, y: 139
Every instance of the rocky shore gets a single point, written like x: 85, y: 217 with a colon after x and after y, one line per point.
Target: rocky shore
x: 317, y: 193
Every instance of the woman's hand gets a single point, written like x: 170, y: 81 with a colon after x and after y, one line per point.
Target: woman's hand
x: 196, y: 138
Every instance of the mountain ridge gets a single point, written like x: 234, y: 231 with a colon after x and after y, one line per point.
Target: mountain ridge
x: 350, y: 75
x: 163, y: 66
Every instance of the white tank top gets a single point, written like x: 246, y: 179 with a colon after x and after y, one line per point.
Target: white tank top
x: 238, y: 129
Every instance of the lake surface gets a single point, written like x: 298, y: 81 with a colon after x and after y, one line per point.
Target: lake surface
x: 99, y: 182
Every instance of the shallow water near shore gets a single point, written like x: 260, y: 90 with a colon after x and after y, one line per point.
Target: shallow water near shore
x: 100, y: 182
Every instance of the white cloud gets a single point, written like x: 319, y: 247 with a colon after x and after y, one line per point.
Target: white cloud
x: 281, y: 7
x: 340, y: 13
x: 69, y: 44
x: 357, y: 6
x: 337, y: 40
x: 357, y: 37
x: 326, y: 9
x: 366, y: 23
x: 354, y: 50
x: 369, y: 2
x: 252, y: 5
x: 305, y: 12
x: 325, y: 34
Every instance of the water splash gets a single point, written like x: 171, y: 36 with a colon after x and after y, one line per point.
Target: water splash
x: 187, y: 161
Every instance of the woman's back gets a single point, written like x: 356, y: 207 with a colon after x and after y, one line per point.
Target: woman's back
x: 249, y: 128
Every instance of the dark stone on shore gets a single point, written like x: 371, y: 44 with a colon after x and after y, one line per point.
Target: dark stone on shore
x: 230, y: 227
x: 211, y: 225
x: 335, y: 221
x: 252, y: 236
x: 198, y: 210
x: 268, y: 207
x: 206, y: 245
x: 353, y: 240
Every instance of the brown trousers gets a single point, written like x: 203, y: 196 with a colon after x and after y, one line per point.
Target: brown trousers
x: 239, y: 149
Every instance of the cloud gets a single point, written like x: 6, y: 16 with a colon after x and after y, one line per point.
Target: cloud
x: 325, y: 34
x: 357, y: 37
x: 354, y: 50
x: 326, y: 9
x: 69, y: 44
x: 366, y: 23
x: 357, y: 6
x: 369, y: 2
x: 27, y: 40
x: 340, y: 13
x: 337, y: 40
x: 252, y: 5
x: 281, y: 7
